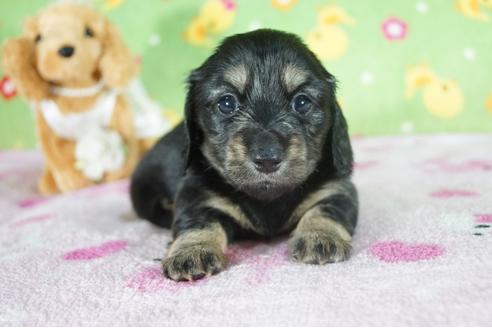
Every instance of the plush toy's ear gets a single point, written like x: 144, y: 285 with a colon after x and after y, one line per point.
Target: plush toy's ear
x: 193, y: 133
x: 19, y: 63
x: 117, y: 65
x: 337, y: 144
x: 30, y: 27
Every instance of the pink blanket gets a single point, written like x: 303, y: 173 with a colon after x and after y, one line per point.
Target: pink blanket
x: 422, y: 251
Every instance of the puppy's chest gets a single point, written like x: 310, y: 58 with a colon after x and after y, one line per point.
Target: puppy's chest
x: 268, y: 219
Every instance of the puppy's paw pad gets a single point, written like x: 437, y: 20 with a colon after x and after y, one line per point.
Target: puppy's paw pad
x: 319, y: 248
x: 193, y: 263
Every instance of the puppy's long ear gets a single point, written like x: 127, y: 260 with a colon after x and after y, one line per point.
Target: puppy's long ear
x: 193, y: 133
x: 19, y: 63
x: 117, y: 65
x: 338, y: 141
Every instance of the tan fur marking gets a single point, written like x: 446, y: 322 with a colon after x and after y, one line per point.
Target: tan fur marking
x: 296, y: 150
x: 293, y: 77
x: 237, y: 151
x: 168, y: 204
x: 206, y: 149
x: 237, y: 76
x: 318, y: 239
x: 197, y: 253
x: 224, y: 205
x: 214, y: 235
x: 313, y: 220
x: 329, y: 189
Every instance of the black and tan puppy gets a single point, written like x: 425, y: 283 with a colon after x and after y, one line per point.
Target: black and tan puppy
x: 264, y: 150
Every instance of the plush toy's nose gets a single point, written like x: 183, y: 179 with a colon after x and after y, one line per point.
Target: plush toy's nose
x: 66, y: 51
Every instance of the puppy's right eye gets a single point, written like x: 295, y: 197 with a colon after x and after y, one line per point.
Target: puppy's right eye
x: 302, y: 104
x: 38, y: 38
x: 227, y: 104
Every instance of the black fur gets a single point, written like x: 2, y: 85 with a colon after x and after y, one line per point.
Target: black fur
x: 157, y: 176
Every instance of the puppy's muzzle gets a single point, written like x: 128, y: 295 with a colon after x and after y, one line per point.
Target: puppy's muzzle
x: 266, y: 153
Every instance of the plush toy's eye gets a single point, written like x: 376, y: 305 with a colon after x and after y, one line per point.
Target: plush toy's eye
x: 38, y: 38
x: 301, y: 104
x: 227, y: 104
x: 89, y: 33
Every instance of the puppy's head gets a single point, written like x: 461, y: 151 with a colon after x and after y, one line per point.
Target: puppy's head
x: 262, y: 111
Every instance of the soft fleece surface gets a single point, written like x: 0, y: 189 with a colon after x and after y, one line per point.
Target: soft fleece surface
x: 422, y: 251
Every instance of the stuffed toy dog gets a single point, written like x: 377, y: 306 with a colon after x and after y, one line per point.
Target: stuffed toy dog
x: 73, y: 67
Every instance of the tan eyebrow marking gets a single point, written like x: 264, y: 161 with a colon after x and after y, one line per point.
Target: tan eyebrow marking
x: 237, y: 76
x: 293, y: 77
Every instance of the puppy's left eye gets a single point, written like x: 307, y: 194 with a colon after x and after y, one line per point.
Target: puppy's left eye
x: 89, y: 33
x: 301, y: 104
x: 227, y: 104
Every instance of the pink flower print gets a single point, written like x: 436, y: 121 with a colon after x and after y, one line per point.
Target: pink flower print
x: 33, y: 219
x: 263, y: 264
x: 394, y: 29
x: 450, y: 193
x: 396, y: 251
x: 443, y: 165
x: 258, y: 265
x: 95, y: 252
x: 240, y: 252
x: 32, y: 202
x: 151, y: 279
x: 483, y: 218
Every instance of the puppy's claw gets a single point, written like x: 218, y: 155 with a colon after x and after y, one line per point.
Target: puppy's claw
x: 198, y: 276
x: 319, y: 248
x: 193, y: 263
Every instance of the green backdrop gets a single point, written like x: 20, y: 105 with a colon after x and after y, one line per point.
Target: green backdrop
x: 378, y: 50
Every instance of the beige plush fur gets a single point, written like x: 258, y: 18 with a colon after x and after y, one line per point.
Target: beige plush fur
x: 35, y: 66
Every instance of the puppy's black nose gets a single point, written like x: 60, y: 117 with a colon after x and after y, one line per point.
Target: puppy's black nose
x: 66, y: 51
x: 265, y: 151
x: 267, y: 164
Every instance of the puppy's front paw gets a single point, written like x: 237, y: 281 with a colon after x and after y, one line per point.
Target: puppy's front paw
x: 193, y: 262
x: 319, y: 247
